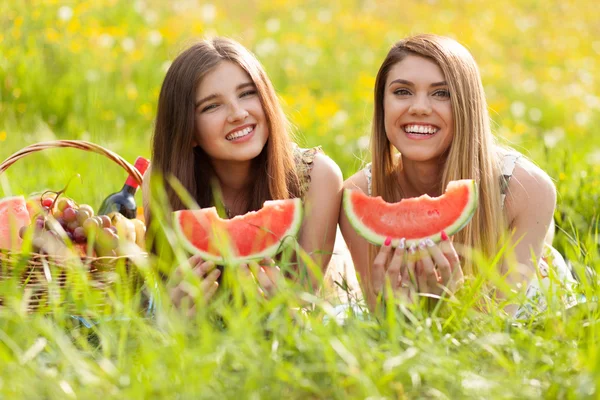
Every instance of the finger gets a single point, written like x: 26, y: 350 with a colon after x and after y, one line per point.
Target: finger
x: 267, y: 262
x: 421, y: 277
x: 428, y: 268
x: 450, y: 252
x: 210, y: 279
x: 441, y: 262
x: 380, y: 261
x: 245, y: 270
x: 176, y: 295
x: 195, y: 259
x: 393, y: 270
x: 411, y: 261
x: 210, y: 291
x: 261, y: 277
x: 202, y: 269
x: 274, y: 274
x: 191, y: 311
x: 378, y: 279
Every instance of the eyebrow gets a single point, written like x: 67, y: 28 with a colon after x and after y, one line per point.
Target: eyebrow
x: 409, y: 83
x: 214, y: 95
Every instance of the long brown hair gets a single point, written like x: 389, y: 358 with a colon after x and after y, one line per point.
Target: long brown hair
x: 173, y: 153
x: 473, y: 153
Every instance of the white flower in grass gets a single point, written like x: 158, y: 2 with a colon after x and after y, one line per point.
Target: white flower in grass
x: 582, y: 118
x: 324, y: 16
x: 594, y: 157
x: 65, y: 13
x: 298, y: 15
x: 535, y: 114
x: 517, y: 108
x: 92, y: 75
x: 363, y: 142
x: 273, y: 25
x: 339, y: 119
x: 105, y: 40
x: 552, y: 137
x: 208, y: 13
x: 128, y: 44
x: 164, y: 67
x: 266, y: 47
x: 155, y: 38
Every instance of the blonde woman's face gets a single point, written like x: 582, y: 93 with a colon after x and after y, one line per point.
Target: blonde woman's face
x: 229, y: 118
x: 417, y: 110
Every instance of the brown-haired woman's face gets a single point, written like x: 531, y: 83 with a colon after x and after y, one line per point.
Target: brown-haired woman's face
x: 417, y: 109
x: 229, y: 118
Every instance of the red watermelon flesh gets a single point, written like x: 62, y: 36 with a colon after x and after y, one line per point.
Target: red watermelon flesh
x: 255, y: 235
x: 13, y: 216
x: 413, y: 219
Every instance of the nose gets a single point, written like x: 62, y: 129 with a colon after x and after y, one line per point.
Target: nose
x: 420, y: 105
x: 236, y: 113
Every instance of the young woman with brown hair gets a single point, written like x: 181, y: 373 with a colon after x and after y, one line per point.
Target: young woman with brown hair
x: 431, y: 126
x: 219, y: 120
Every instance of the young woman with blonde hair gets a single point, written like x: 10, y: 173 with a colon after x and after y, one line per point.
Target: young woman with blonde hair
x: 431, y: 126
x: 219, y: 120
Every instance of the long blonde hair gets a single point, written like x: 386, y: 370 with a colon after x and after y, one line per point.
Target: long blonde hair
x: 173, y: 152
x: 472, y: 154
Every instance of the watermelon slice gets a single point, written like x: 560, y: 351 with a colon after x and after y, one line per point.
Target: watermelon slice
x: 253, y: 236
x: 413, y: 219
x: 13, y: 216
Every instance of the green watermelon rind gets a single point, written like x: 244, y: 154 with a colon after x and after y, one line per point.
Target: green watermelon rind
x: 374, y: 238
x: 286, y: 238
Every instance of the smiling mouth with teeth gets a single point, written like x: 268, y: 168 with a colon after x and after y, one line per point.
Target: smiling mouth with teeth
x: 421, y: 129
x: 239, y: 134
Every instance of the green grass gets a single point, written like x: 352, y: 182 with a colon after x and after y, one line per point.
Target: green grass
x: 96, y: 76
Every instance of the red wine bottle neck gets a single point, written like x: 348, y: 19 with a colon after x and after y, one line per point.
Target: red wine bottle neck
x: 129, y: 188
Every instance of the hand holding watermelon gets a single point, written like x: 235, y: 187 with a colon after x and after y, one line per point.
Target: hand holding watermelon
x: 182, y: 290
x: 266, y: 274
x: 428, y: 268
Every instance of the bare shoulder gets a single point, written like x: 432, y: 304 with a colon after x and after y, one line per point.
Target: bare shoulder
x: 530, y: 188
x: 358, y: 181
x: 325, y: 170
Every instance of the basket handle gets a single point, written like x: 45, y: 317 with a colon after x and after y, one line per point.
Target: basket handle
x: 76, y: 144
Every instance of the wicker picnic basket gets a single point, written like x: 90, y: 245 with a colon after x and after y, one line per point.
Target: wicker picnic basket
x: 45, y: 279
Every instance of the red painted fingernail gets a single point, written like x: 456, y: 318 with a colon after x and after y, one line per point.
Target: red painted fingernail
x: 388, y: 241
x: 444, y: 235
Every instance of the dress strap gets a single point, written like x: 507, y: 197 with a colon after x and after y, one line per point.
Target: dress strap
x: 304, y: 159
x: 369, y: 177
x: 509, y: 162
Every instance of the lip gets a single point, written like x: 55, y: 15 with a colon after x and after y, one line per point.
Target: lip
x: 243, y: 138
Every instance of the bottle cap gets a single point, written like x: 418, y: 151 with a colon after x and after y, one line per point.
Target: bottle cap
x: 141, y: 164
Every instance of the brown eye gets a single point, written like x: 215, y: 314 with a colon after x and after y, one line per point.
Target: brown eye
x: 401, y: 92
x: 209, y: 107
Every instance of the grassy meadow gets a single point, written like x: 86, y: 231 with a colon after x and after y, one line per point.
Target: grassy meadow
x: 92, y: 70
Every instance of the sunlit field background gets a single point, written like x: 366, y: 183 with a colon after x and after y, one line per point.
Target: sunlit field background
x: 92, y: 70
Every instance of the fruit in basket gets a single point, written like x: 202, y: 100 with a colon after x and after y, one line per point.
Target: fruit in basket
x: 140, y: 232
x: 125, y: 228
x: 60, y: 220
x: 14, y: 215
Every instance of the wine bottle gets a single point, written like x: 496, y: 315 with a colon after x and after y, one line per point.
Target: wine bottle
x: 123, y: 201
